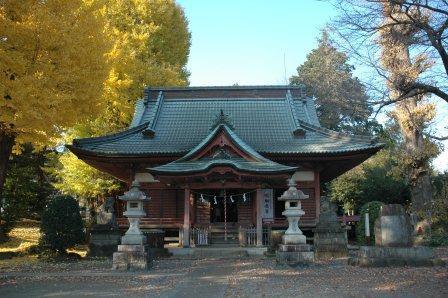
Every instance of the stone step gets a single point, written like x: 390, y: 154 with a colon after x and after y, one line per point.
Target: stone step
x: 227, y: 244
x: 221, y: 251
x: 223, y: 233
x: 218, y: 251
x: 221, y: 224
x: 222, y: 237
x: 221, y: 230
x: 222, y: 241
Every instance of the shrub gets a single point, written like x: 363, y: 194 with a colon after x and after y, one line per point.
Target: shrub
x: 8, y: 217
x: 378, y: 179
x: 61, y: 224
x: 374, y: 209
x: 439, y: 212
x: 438, y: 238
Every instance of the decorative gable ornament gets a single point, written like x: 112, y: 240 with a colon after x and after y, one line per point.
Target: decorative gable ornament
x: 222, y: 119
x: 222, y: 153
x: 299, y: 132
x: 149, y: 133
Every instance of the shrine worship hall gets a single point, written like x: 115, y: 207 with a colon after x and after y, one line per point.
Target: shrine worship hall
x: 215, y: 160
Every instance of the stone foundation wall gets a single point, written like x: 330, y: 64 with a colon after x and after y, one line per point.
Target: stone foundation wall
x: 371, y: 256
x: 330, y: 244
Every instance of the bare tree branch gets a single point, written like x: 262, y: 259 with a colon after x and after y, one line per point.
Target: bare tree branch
x: 421, y: 88
x: 436, y: 137
x: 360, y: 22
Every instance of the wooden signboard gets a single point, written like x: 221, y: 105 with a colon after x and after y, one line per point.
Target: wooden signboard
x: 267, y: 205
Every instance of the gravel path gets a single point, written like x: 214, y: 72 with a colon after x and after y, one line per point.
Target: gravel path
x: 222, y: 278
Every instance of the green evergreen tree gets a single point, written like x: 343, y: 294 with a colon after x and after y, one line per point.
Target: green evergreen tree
x: 381, y: 178
x: 27, y: 187
x: 341, y: 99
x: 61, y: 224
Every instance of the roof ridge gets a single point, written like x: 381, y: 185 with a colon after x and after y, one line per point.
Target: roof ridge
x: 157, y: 108
x: 332, y: 133
x: 227, y: 99
x: 305, y: 109
x: 139, y: 111
x: 224, y: 87
x: 292, y: 109
x: 110, y: 137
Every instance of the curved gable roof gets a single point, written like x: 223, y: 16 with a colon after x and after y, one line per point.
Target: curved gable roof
x: 175, y: 120
x: 193, y: 163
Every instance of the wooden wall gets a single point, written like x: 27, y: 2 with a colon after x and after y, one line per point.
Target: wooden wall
x: 245, y: 213
x: 167, y: 206
x: 309, y: 205
x: 202, y: 213
x: 164, y: 203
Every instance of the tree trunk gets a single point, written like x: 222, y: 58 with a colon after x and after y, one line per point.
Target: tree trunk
x: 6, y: 144
x: 421, y: 194
x: 419, y: 177
x: 92, y: 205
x: 421, y: 187
x: 412, y: 114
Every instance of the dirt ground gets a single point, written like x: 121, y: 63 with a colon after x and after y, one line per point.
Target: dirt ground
x: 248, y: 277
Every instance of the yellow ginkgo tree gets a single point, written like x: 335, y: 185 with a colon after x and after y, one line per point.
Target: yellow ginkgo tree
x: 151, y: 44
x: 53, y: 66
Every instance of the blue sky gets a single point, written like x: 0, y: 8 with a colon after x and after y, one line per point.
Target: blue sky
x: 254, y: 42
x: 245, y: 41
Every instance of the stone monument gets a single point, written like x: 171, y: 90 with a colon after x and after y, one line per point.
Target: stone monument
x: 393, y: 227
x: 330, y: 239
x: 133, y: 253
x: 105, y: 235
x: 393, y: 240
x: 294, y: 249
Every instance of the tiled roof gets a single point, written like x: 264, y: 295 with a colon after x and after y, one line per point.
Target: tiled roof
x: 206, y: 164
x: 175, y: 120
x: 189, y: 164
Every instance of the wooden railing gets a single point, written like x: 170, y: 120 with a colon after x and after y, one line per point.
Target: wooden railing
x: 153, y: 222
x: 248, y: 236
x: 303, y: 223
x: 200, y: 236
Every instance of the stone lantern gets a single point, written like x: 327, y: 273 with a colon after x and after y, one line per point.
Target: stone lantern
x: 293, y: 212
x: 133, y: 253
x: 294, y: 249
x: 134, y: 199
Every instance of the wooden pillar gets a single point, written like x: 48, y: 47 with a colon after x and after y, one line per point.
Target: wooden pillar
x: 186, y: 227
x: 317, y: 193
x: 259, y: 203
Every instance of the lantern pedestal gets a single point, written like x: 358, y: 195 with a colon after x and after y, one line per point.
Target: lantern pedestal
x: 294, y: 250
x: 133, y: 253
x: 133, y: 235
x: 132, y: 257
